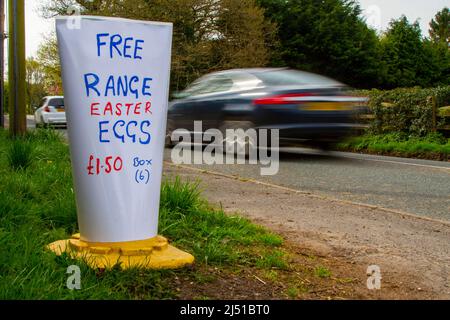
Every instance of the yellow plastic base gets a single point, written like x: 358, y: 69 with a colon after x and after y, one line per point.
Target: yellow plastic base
x: 154, y: 253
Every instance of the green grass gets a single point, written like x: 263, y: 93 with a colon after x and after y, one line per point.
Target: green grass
x: 37, y: 207
x: 433, y: 146
x: 293, y: 292
x: 20, y: 154
x: 211, y: 235
x: 274, y: 259
x: 322, y: 272
x: 271, y: 275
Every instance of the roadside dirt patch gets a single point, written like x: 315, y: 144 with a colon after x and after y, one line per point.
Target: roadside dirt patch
x: 309, y: 277
x: 340, y: 239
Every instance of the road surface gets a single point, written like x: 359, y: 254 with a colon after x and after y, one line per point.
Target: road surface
x: 413, y: 254
x: 416, y: 186
x: 30, y: 122
x: 420, y: 187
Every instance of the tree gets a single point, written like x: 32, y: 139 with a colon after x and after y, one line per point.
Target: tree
x: 408, y: 59
x: 440, y: 27
x: 48, y: 58
x: 239, y: 39
x: 208, y: 35
x: 328, y: 37
x: 437, y: 63
x: 34, y: 84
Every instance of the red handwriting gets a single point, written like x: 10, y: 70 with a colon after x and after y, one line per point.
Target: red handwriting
x: 97, y: 166
x: 121, y: 109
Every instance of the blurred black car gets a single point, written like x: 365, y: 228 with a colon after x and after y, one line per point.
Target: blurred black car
x: 306, y: 108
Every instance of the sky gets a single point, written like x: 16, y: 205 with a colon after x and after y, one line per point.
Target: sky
x: 378, y: 14
x: 36, y: 27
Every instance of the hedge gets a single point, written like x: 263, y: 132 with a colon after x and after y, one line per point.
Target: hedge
x: 414, y: 111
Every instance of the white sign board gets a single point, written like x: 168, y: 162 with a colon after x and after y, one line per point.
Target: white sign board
x: 116, y: 81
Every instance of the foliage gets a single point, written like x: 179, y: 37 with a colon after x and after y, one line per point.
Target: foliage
x: 330, y: 38
x: 437, y: 64
x: 409, y: 111
x: 35, y: 79
x: 48, y: 58
x: 407, y: 60
x: 208, y: 35
x: 440, y: 27
x: 444, y: 111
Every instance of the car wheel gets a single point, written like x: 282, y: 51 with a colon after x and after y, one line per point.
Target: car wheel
x: 239, y: 143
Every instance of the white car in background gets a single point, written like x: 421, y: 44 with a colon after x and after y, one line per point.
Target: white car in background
x: 51, y: 112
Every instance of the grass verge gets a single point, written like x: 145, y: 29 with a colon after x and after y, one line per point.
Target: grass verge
x: 37, y: 207
x: 234, y: 257
x: 433, y: 146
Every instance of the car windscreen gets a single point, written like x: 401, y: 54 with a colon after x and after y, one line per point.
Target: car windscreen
x: 212, y: 84
x: 294, y: 77
x: 56, y: 102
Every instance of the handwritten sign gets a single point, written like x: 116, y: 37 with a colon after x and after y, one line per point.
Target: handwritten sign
x: 116, y: 79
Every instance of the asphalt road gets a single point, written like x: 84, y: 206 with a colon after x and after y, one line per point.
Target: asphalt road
x: 417, y: 186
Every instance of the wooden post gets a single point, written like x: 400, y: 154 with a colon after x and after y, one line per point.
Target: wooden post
x: 434, y: 108
x: 16, y: 68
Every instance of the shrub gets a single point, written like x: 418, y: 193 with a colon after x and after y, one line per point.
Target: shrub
x: 408, y: 111
x: 444, y: 111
